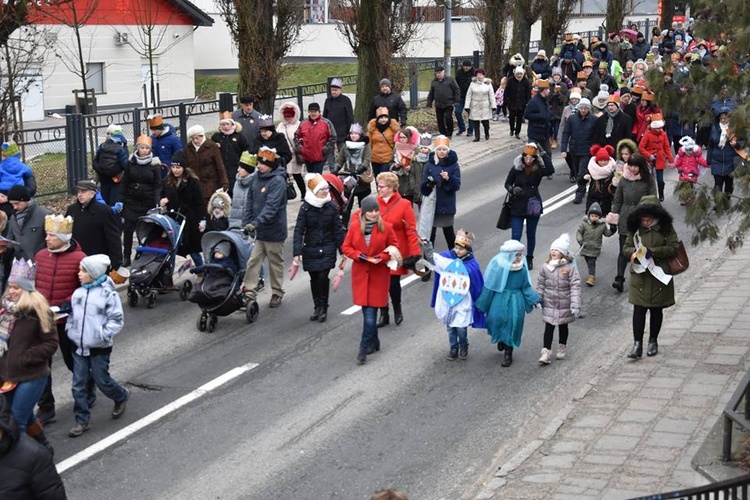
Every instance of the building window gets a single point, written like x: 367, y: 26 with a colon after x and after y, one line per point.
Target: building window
x: 95, y: 77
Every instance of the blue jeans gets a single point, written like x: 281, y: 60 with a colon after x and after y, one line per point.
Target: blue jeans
x: 516, y: 231
x: 459, y: 112
x: 98, y: 365
x: 314, y: 168
x: 369, y: 328
x: 23, y: 399
x: 457, y: 336
x: 197, y: 259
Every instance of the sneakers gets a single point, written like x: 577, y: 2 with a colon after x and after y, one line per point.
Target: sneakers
x: 45, y: 416
x: 119, y: 408
x: 452, y: 354
x: 546, y: 357
x: 260, y: 286
x: 275, y: 301
x: 562, y: 351
x: 590, y: 280
x: 78, y: 429
x: 463, y: 351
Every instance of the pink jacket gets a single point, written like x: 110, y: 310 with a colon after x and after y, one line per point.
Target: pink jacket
x: 687, y: 166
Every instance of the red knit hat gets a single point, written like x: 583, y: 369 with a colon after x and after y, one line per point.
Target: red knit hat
x: 602, y: 153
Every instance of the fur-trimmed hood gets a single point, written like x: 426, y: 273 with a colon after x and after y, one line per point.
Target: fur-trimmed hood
x: 225, y: 198
x: 649, y: 205
x: 292, y: 105
x: 626, y: 142
x: 538, y: 164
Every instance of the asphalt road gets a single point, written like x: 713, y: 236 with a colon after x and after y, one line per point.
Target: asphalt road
x: 307, y: 423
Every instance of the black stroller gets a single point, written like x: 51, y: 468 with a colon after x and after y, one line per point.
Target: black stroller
x: 159, y: 236
x: 220, y: 291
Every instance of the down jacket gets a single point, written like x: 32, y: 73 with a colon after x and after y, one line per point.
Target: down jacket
x: 140, y: 188
x: 445, y: 201
x: 57, y: 273
x: 688, y: 166
x: 560, y: 291
x: 96, y: 317
x: 318, y: 235
x: 166, y: 144
x: 315, y: 139
x: 265, y: 205
x: 26, y: 466
x: 480, y: 99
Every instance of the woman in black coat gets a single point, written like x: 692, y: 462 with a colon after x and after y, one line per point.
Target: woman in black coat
x: 232, y: 142
x: 318, y: 235
x: 140, y: 189
x: 517, y: 95
x: 181, y: 192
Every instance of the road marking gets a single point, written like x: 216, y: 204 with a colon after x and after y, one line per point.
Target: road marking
x: 571, y: 189
x: 561, y: 203
x: 131, y: 429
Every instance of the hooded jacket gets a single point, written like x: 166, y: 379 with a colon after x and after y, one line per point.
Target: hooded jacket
x: 688, y: 166
x: 166, y: 144
x: 589, y: 236
x: 231, y: 147
x: 445, y: 202
x: 96, y: 317
x: 480, y: 99
x: 560, y: 290
x: 289, y: 130
x: 527, y: 181
x: 13, y: 172
x: 265, y: 205
x: 239, y: 196
x: 26, y: 467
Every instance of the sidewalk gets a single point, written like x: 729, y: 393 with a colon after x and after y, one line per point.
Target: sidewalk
x: 634, y: 428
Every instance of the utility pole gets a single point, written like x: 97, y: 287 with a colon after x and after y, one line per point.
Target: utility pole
x: 447, y: 43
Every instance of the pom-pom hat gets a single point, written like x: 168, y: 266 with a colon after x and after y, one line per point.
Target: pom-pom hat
x: 10, y: 148
x: 602, y: 153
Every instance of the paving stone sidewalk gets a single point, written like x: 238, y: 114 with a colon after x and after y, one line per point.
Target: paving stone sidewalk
x: 634, y: 428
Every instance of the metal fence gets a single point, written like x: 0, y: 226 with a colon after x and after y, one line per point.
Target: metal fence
x: 736, y: 489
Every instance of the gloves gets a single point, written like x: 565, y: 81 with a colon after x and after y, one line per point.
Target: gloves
x: 430, y: 182
x: 202, y: 226
x: 117, y: 208
x: 363, y: 257
x: 652, y: 157
x: 517, y: 191
x: 65, y: 307
x: 576, y: 312
x: 249, y: 228
x: 538, y: 305
x: 467, y: 111
x: 409, y: 262
x: 360, y: 170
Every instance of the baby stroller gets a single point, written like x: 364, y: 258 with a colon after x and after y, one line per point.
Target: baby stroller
x: 159, y: 236
x: 220, y: 292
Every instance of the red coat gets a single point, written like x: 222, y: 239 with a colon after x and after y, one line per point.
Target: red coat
x: 57, y: 273
x: 656, y: 144
x: 640, y: 124
x: 398, y: 212
x: 370, y: 282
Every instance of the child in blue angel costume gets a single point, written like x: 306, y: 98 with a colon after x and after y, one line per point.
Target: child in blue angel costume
x: 458, y: 284
x: 507, y: 296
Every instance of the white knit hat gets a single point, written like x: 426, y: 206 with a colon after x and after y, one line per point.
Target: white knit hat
x: 561, y: 244
x: 195, y: 130
x: 96, y: 265
x: 512, y: 246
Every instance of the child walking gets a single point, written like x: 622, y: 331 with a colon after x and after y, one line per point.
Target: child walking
x: 589, y: 237
x: 655, y: 146
x: 559, y: 285
x: 453, y: 298
x: 500, y: 101
x: 95, y: 319
x: 688, y: 163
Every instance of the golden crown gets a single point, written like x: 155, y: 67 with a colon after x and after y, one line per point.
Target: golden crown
x: 58, y: 224
x: 464, y: 238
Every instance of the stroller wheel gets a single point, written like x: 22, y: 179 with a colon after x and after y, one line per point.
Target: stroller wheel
x: 202, y: 320
x: 251, y: 312
x: 185, y: 289
x: 132, y: 298
x: 212, y: 320
x: 151, y: 301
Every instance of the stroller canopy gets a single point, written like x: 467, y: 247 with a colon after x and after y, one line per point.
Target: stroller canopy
x: 146, y: 227
x: 239, y: 244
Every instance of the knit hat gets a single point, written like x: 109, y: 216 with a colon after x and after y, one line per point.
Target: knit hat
x: 195, y: 130
x: 386, y: 82
x: 568, y: 54
x: 624, y: 90
x: 512, y: 246
x: 113, y: 129
x: 600, y: 101
x: 481, y: 70
x: 19, y: 192
x: 442, y: 141
x: 602, y: 153
x: 425, y: 139
x: 530, y: 149
x: 23, y: 274
x: 155, y: 122
x: 143, y: 140
x: 574, y: 94
x: 10, y: 148
x: 439, y: 68
x: 356, y: 128
x: 226, y: 117
x: 466, y: 62
x: 315, y: 182
x: 687, y: 143
x: 60, y: 226
x: 464, y: 238
x: 313, y: 106
x: 595, y: 209
x: 265, y: 122
x: 337, y: 82
x: 542, y: 54
x: 268, y: 157
x: 223, y: 247
x: 86, y: 185
x: 556, y: 71
x: 382, y: 111
x: 96, y: 265
x: 561, y: 244
x: 518, y: 71
x: 369, y: 204
x: 585, y: 103
x: 656, y: 121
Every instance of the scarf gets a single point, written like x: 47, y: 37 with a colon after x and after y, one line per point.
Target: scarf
x: 610, y: 123
x: 555, y: 263
x: 724, y: 134
x: 7, y: 320
x: 21, y: 217
x: 629, y: 176
x: 369, y: 224
x: 382, y: 127
x: 62, y: 249
x: 404, y: 150
x: 598, y: 172
x: 516, y: 266
x: 316, y: 202
x: 98, y: 281
x: 143, y: 160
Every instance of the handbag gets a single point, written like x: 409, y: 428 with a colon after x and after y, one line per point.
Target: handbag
x: 680, y: 262
x: 534, y: 207
x: 291, y: 190
x: 503, y: 222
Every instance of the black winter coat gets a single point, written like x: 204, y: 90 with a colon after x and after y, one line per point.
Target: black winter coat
x: 26, y: 467
x: 539, y: 115
x: 528, y: 182
x: 231, y: 147
x: 187, y: 199
x: 141, y: 186
x: 394, y: 103
x: 96, y: 230
x: 444, y: 93
x: 578, y: 134
x: 463, y: 79
x: 318, y: 235
x: 517, y: 94
x: 340, y: 112
x: 278, y: 142
x: 623, y: 128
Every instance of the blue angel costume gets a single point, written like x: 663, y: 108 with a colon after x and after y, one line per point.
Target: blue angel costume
x: 475, y: 289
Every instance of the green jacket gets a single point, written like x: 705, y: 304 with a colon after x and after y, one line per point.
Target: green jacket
x: 589, y: 236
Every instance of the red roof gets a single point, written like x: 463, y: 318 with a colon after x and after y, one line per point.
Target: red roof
x: 123, y: 12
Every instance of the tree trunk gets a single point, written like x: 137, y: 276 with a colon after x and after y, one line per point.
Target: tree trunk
x: 494, y: 34
x: 374, y: 53
x: 522, y: 28
x: 667, y: 12
x: 615, y: 15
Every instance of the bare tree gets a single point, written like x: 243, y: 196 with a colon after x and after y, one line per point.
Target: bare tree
x: 263, y: 32
x: 555, y: 18
x: 615, y: 15
x: 376, y: 30
x: 493, y: 30
x: 525, y: 14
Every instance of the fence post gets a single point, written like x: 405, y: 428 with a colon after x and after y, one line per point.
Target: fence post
x: 601, y: 34
x: 300, y: 101
x: 328, y: 86
x: 183, y: 123
x: 413, y: 86
x: 726, y: 447
x: 136, y: 124
x: 75, y: 149
x: 475, y: 57
x: 226, y: 103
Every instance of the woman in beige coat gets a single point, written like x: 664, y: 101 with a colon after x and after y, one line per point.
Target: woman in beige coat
x: 287, y: 127
x: 480, y: 103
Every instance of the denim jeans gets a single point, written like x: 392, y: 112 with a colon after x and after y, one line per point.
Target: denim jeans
x: 23, y: 399
x: 457, y: 336
x: 459, y: 112
x: 314, y: 168
x: 98, y: 365
x: 369, y: 328
x: 516, y: 230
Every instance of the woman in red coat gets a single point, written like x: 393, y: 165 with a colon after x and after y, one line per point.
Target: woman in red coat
x: 366, y: 243
x: 398, y: 212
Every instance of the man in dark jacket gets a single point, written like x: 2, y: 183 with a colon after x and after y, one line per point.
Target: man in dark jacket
x: 613, y: 126
x: 577, y: 139
x: 444, y: 92
x: 94, y: 225
x: 109, y: 163
x: 26, y: 467
x: 386, y: 98
x: 265, y: 215
x: 165, y: 141
x: 463, y: 78
x: 247, y: 116
x: 539, y: 116
x: 517, y: 95
x: 592, y: 80
x: 338, y: 110
x: 640, y: 47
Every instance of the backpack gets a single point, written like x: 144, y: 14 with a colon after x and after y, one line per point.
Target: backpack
x: 108, y: 164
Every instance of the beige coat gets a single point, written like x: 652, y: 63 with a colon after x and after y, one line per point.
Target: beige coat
x: 480, y: 99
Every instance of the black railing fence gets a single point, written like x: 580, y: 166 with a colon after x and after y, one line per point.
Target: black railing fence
x: 732, y: 489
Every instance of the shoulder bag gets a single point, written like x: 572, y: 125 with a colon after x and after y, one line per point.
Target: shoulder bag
x: 291, y: 189
x: 503, y: 222
x: 679, y: 263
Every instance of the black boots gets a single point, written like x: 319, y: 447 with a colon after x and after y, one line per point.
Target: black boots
x: 619, y: 284
x: 320, y: 298
x: 508, y: 357
x: 384, y: 318
x: 398, y: 316
x: 530, y: 261
x: 374, y: 346
x: 361, y: 356
x: 661, y: 191
x: 637, y: 350
x: 653, y: 348
x: 501, y: 346
x: 316, y: 314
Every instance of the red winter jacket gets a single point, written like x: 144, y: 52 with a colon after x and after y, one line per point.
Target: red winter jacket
x: 398, y: 212
x: 656, y: 144
x: 688, y: 166
x: 370, y: 282
x: 315, y: 140
x: 57, y: 273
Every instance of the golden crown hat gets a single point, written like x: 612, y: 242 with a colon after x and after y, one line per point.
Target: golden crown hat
x: 225, y: 115
x: 58, y: 224
x: 442, y: 140
x: 464, y: 238
x: 267, y: 154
